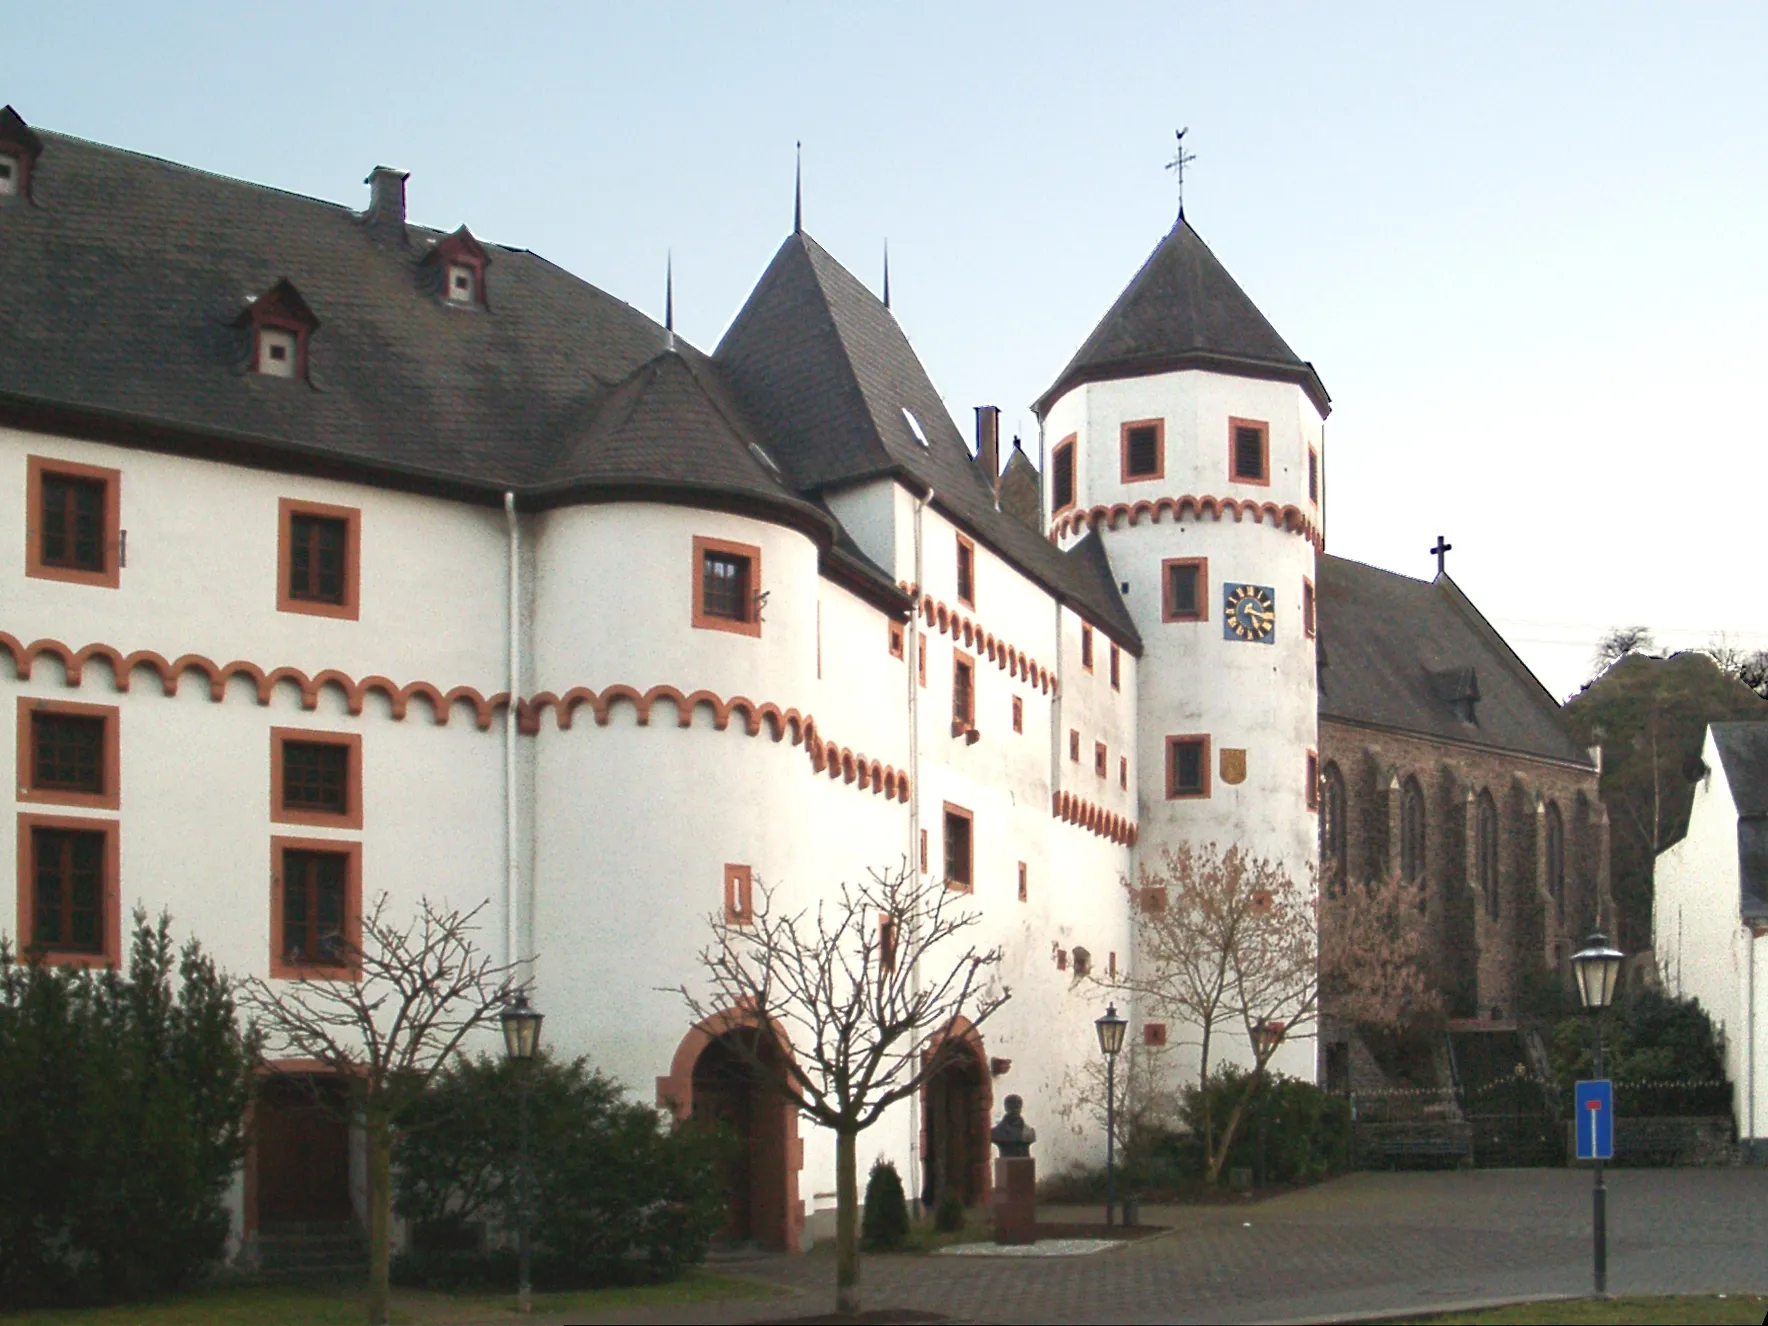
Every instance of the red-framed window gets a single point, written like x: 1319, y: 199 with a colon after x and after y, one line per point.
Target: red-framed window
x: 73, y: 522
x: 966, y: 572
x: 67, y: 754
x: 1142, y: 450
x: 1307, y: 607
x: 319, y: 559
x: 1187, y: 766
x: 960, y: 848
x: 1018, y: 714
x: 1101, y: 759
x: 316, y: 778
x: 1184, y: 589
x: 1086, y: 646
x: 1116, y: 668
x: 739, y: 894
x: 727, y: 586
x: 316, y: 908
x: 1062, y: 492
x: 1249, y: 451
x: 963, y: 692
x: 69, y: 910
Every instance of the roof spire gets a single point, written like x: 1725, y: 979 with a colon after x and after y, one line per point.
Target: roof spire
x: 798, y: 191
x: 1181, y: 159
x: 886, y: 273
x: 669, y: 297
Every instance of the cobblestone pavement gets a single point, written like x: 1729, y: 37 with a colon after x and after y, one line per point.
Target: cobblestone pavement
x: 1360, y: 1245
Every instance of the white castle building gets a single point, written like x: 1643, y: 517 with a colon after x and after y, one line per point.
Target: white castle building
x: 348, y: 556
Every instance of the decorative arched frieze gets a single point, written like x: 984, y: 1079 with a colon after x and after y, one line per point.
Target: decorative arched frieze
x: 1115, y: 515
x: 1075, y: 810
x: 948, y: 620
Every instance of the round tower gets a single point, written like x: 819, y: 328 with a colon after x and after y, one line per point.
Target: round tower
x: 1189, y: 435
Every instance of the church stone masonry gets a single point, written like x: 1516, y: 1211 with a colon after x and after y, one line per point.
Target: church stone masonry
x: 353, y: 556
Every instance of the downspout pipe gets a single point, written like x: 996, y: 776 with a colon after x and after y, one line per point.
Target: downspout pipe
x: 913, y: 659
x: 512, y: 872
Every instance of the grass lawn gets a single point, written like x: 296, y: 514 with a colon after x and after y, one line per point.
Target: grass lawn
x: 1680, y: 1311
x: 289, y: 1306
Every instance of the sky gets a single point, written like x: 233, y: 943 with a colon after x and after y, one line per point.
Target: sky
x: 1521, y: 243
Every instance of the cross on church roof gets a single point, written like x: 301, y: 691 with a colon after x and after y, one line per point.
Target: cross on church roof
x: 1442, y: 551
x: 1181, y: 159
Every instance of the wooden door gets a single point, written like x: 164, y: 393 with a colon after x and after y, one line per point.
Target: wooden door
x: 303, y: 1144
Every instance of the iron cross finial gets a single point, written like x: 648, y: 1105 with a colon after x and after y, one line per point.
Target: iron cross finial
x: 1442, y: 551
x: 1181, y: 159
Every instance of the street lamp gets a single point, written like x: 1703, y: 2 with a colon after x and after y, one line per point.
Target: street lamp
x: 1110, y: 1029
x: 1597, y: 967
x: 521, y: 1039
x: 1266, y: 1036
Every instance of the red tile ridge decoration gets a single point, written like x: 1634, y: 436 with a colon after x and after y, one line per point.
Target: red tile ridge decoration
x: 1075, y: 810
x: 950, y: 621
x: 1291, y: 518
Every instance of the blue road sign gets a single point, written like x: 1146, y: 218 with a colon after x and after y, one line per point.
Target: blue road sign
x: 1596, y: 1119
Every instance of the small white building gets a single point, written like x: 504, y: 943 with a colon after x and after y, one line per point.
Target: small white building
x: 1710, y: 914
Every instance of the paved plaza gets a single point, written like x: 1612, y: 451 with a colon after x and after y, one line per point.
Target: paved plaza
x: 1361, y: 1245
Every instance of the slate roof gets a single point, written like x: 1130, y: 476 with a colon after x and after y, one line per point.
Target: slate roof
x: 1183, y: 310
x: 819, y: 361
x: 1389, y: 642
x: 124, y: 275
x: 1743, y: 750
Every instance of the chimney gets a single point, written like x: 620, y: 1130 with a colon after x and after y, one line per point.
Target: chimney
x: 988, y: 446
x: 386, y: 203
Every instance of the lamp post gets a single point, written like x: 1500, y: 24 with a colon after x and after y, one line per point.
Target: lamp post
x: 521, y: 1039
x: 1597, y: 967
x: 1110, y: 1029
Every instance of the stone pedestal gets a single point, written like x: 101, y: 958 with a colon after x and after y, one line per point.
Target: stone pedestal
x: 1015, y: 1200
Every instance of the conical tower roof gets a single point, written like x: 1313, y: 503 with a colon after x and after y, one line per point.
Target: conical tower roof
x: 1183, y: 310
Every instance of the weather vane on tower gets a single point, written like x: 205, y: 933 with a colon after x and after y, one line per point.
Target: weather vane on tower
x: 1181, y: 159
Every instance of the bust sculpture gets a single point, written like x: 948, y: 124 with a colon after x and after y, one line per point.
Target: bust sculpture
x: 1012, y: 1134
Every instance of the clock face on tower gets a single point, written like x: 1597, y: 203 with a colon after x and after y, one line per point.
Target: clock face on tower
x: 1249, y: 612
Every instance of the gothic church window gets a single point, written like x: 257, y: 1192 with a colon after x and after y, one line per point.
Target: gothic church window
x: 1486, y: 851
x: 1412, y: 835
x: 1556, y: 860
x: 1332, y: 839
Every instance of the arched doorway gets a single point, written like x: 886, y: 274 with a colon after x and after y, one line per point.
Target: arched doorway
x: 955, y: 1104
x: 713, y: 1084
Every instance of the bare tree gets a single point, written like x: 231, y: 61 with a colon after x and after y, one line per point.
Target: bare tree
x: 1224, y: 941
x: 417, y: 992
x: 1751, y: 668
x: 850, y: 1005
x: 1619, y: 641
x: 1374, y: 957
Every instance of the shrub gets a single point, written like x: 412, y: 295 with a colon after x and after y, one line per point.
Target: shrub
x: 1290, y: 1132
x: 885, y: 1225
x: 949, y: 1215
x: 1648, y: 1037
x: 616, y: 1195
x: 122, y: 1106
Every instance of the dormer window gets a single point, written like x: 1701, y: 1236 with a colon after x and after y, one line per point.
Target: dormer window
x: 9, y: 174
x: 281, y: 325
x: 456, y: 265
x: 19, y: 150
x: 277, y: 351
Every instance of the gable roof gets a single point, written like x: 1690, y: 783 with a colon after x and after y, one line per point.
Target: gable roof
x: 824, y: 368
x: 1183, y: 310
x: 1397, y: 651
x: 1743, y: 750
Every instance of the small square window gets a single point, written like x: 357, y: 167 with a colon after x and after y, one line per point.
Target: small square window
x: 727, y: 593
x: 1313, y: 475
x: 1018, y: 714
x: 1123, y: 772
x: 1086, y: 647
x: 278, y: 350
x: 959, y: 860
x: 1307, y: 606
x: 1187, y: 767
x: 318, y: 551
x: 963, y: 693
x: 1062, y: 476
x: 1154, y: 1034
x: 1144, y: 450
x: 1023, y: 892
x: 1074, y: 744
x: 1116, y: 668
x: 462, y: 284
x: 1313, y: 781
x: 895, y: 640
x: 1101, y: 760
x: 1184, y: 589
x: 1250, y: 461
x: 886, y: 943
x: 67, y: 753
x: 966, y: 571
x: 315, y: 778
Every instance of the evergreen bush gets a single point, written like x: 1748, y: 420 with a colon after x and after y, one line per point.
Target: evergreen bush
x: 885, y: 1224
x: 1660, y: 1051
x: 949, y: 1216
x: 122, y: 1107
x: 1290, y: 1132
x: 616, y: 1195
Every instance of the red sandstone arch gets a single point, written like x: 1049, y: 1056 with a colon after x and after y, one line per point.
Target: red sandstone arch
x: 956, y: 1102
